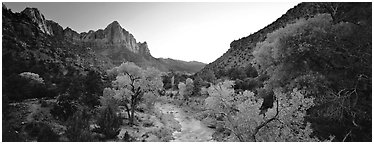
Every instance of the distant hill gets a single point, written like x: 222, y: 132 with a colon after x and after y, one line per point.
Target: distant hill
x: 183, y: 66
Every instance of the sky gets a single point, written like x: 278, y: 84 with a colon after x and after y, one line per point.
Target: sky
x: 189, y: 31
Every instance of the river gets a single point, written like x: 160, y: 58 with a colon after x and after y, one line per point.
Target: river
x: 193, y: 130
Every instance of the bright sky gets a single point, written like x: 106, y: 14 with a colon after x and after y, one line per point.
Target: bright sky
x: 185, y: 31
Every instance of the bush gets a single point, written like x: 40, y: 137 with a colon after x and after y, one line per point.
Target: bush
x: 78, y: 127
x: 64, y: 108
x: 25, y: 86
x: 9, y: 133
x: 41, y: 131
x: 47, y: 134
x: 108, y: 121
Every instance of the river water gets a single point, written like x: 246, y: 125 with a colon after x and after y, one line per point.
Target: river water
x: 193, y: 130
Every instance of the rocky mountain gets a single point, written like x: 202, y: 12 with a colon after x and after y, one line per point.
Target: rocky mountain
x: 113, y: 42
x: 240, y: 53
x: 39, y: 19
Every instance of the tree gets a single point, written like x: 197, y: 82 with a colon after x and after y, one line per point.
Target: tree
x: 172, y: 82
x: 186, y: 90
x: 327, y: 60
x: 132, y: 83
x: 208, y: 76
x: 284, y: 122
x: 189, y: 87
x: 182, y: 89
x: 78, y: 129
x: 236, y: 73
x: 250, y: 71
x: 108, y: 121
x: 197, y: 84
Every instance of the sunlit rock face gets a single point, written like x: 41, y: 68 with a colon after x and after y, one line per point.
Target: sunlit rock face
x: 39, y: 19
x: 112, y: 35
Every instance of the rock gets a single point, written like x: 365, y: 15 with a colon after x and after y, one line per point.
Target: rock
x: 38, y: 18
x: 4, y: 7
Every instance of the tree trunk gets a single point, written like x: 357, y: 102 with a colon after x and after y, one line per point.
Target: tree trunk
x: 128, y: 113
x: 132, y: 116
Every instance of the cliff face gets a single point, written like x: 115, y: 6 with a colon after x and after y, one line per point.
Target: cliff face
x: 113, y: 42
x: 39, y: 19
x: 113, y: 35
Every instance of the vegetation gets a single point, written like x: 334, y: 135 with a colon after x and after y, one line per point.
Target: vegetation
x: 132, y: 83
x: 306, y: 77
x: 241, y: 115
x: 327, y: 61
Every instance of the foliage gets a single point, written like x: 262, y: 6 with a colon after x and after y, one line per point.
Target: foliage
x: 235, y: 73
x: 168, y: 83
x: 108, y: 121
x: 198, y: 84
x: 164, y: 134
x: 149, y: 100
x: 64, y: 108
x: 33, y: 77
x: 41, y: 131
x: 186, y: 90
x: 182, y: 89
x: 83, y: 90
x: 25, y: 86
x: 247, y: 84
x: 189, y: 87
x: 9, y: 133
x: 78, y: 127
x: 327, y: 60
x: 284, y: 122
x: 172, y: 79
x: 132, y: 83
x: 208, y: 76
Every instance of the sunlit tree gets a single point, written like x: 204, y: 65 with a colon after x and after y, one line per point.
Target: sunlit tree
x: 132, y: 83
x: 186, y: 89
x: 327, y: 60
x: 284, y: 122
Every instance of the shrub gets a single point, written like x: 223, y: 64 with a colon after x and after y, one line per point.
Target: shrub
x: 64, y: 108
x: 32, y: 77
x: 78, y: 127
x: 41, y: 131
x: 241, y: 115
x: 108, y: 121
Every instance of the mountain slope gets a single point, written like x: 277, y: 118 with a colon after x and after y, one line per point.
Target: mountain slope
x: 325, y: 54
x: 178, y: 65
x: 240, y: 52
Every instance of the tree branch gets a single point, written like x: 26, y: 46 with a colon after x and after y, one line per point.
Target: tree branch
x: 265, y: 123
x: 347, y: 135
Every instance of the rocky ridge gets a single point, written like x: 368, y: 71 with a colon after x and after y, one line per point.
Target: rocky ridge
x: 113, y: 42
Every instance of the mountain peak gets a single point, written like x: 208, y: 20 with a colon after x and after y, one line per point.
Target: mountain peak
x: 143, y: 49
x: 4, y: 6
x: 36, y: 16
x: 114, y: 25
